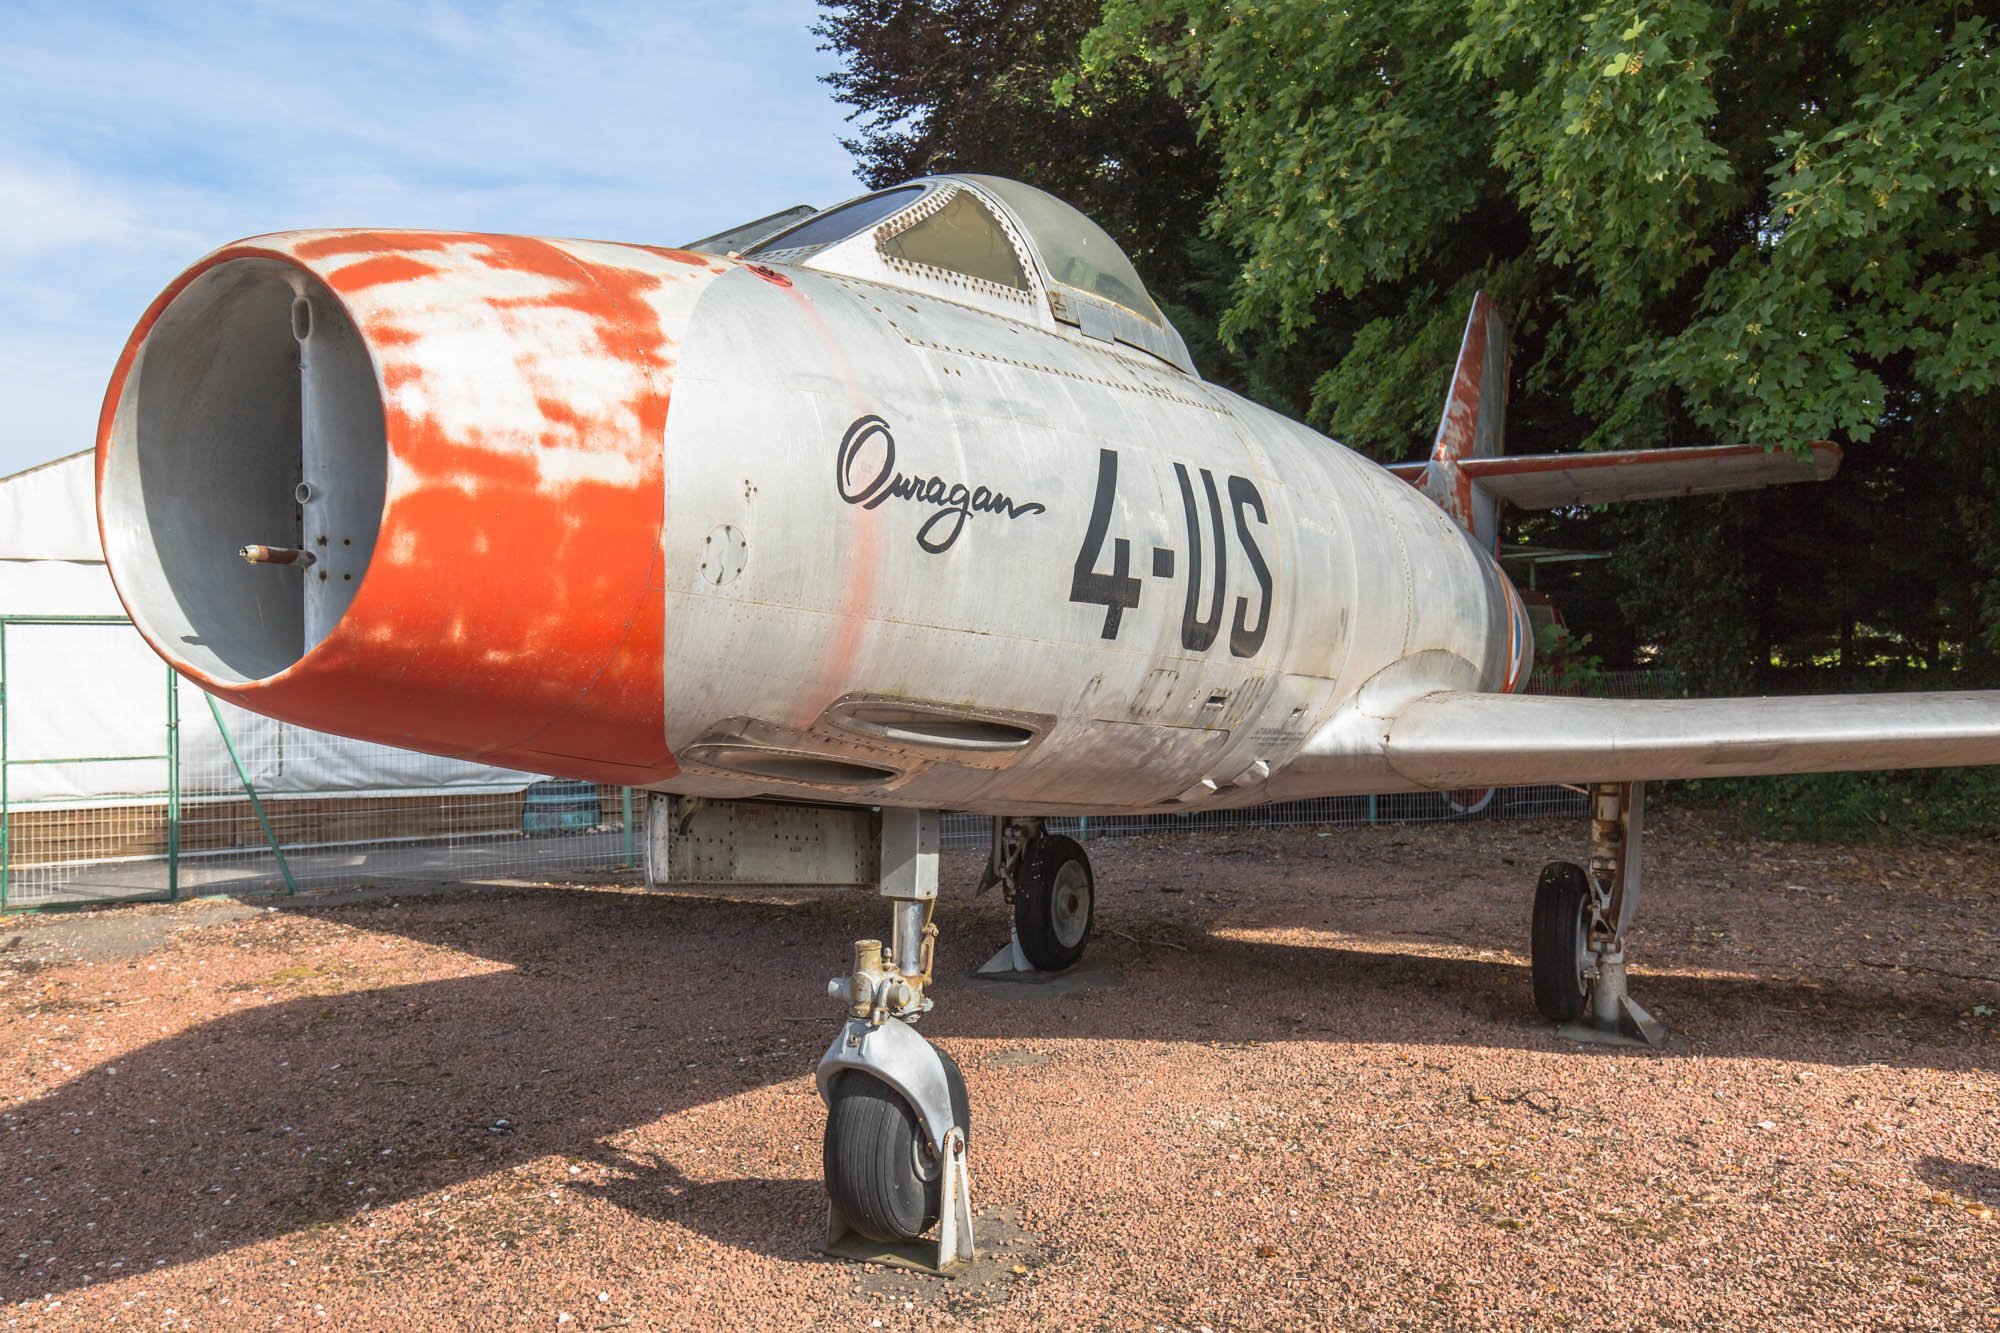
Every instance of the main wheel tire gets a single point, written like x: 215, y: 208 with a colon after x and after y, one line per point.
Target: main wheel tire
x: 881, y: 1171
x: 1054, y: 902
x: 1560, y: 942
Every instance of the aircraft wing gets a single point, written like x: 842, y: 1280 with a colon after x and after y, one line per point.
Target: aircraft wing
x: 1452, y: 739
x: 1547, y: 481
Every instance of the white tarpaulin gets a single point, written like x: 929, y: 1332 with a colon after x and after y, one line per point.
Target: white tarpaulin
x: 86, y: 704
x: 49, y: 513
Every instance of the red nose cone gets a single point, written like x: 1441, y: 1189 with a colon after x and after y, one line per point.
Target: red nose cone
x: 461, y: 435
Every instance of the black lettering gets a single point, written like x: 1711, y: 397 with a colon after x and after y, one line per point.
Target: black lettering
x: 897, y: 489
x: 1003, y: 505
x: 1244, y: 641
x: 956, y: 501
x: 935, y: 544
x: 1116, y: 591
x: 851, y: 444
x: 1197, y: 632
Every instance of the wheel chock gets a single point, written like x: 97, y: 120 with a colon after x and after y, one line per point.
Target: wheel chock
x: 1010, y: 961
x: 1633, y: 1027
x: 1615, y: 1018
x: 947, y: 1256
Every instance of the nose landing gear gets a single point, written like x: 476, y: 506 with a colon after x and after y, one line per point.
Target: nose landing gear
x: 897, y: 1110
x: 886, y: 1178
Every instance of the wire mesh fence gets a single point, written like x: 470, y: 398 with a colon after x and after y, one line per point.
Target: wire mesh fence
x: 1645, y: 684
x: 141, y: 786
x: 960, y: 832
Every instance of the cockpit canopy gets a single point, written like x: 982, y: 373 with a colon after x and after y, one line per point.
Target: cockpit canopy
x: 982, y: 241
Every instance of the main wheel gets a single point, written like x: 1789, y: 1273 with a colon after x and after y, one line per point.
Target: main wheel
x: 881, y: 1171
x: 1053, y: 902
x: 1560, y: 942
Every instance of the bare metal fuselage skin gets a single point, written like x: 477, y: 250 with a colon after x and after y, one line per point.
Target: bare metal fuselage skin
x: 731, y: 530
x: 875, y: 496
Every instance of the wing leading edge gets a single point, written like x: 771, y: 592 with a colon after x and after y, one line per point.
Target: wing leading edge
x: 1451, y: 739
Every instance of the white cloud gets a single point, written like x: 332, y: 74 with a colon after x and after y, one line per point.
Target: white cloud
x: 53, y: 210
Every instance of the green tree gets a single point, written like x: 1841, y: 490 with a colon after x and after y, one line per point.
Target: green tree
x: 965, y: 85
x: 1764, y: 220
x: 968, y: 85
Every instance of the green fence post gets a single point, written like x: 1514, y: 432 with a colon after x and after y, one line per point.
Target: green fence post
x: 6, y: 848
x: 630, y: 833
x: 1372, y: 808
x: 291, y: 885
x: 173, y: 786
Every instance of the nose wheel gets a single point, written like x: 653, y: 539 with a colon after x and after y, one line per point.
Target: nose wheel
x: 883, y: 1175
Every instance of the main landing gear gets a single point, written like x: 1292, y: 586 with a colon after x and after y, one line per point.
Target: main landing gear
x: 897, y: 1112
x: 1578, y: 934
x: 1046, y: 879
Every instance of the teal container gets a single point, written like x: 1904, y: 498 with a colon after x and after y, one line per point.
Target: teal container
x: 561, y: 806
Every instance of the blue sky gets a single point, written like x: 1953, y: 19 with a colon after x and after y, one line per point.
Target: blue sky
x: 136, y: 137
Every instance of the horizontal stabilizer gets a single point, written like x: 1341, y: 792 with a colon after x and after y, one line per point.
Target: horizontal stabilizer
x: 1548, y: 481
x: 1450, y: 739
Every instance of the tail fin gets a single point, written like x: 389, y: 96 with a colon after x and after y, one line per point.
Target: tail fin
x: 1473, y: 426
x: 1468, y: 479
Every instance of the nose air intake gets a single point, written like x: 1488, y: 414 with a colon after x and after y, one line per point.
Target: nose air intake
x: 409, y: 487
x: 263, y: 433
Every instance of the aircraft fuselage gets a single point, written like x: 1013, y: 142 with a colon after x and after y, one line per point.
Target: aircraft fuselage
x: 728, y: 529
x: 879, y: 498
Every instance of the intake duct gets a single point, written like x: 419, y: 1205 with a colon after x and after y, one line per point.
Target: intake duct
x: 256, y: 401
x: 407, y: 486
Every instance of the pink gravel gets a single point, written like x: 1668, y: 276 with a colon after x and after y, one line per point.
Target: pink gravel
x: 1299, y: 1086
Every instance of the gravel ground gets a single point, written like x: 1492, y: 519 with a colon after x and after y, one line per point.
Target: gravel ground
x: 1297, y: 1087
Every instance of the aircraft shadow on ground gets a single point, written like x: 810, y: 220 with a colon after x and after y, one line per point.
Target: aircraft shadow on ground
x: 277, y: 1118
x: 781, y: 1218
x: 1973, y: 1180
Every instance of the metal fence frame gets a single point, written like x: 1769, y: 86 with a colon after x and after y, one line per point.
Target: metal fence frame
x: 174, y: 788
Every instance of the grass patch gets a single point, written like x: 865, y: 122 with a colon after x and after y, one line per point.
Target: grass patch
x: 1912, y: 805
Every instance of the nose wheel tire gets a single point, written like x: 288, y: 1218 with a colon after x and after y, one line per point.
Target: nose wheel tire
x: 881, y: 1171
x: 1054, y: 902
x: 1560, y: 942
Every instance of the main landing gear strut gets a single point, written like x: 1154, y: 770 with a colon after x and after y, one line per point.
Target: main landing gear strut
x: 1578, y: 935
x: 897, y: 1113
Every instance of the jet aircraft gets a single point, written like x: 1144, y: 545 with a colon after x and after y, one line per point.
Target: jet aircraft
x: 848, y: 517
